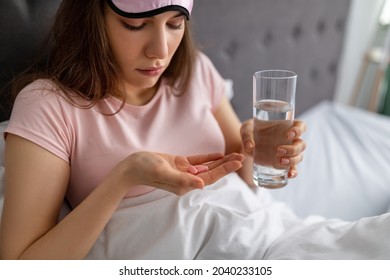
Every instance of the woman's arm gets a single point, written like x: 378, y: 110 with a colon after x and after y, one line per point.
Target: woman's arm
x: 35, y: 186
x: 36, y: 182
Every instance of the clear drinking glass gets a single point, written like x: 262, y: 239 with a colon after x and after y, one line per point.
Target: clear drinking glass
x: 273, y: 113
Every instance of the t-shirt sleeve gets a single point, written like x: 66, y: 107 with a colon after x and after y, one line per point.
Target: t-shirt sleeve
x: 37, y: 116
x: 210, y: 77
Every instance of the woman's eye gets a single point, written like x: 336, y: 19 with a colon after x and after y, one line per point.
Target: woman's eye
x: 175, y: 26
x: 133, y: 27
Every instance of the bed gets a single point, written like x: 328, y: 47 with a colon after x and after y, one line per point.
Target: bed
x: 344, y: 177
x: 337, y: 207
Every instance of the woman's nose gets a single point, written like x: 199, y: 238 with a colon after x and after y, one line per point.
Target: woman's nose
x: 158, y: 44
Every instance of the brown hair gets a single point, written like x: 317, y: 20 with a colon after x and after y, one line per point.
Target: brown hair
x: 77, y: 57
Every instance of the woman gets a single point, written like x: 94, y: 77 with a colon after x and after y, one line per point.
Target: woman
x: 121, y: 103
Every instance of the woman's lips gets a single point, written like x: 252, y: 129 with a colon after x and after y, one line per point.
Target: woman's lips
x: 153, y: 71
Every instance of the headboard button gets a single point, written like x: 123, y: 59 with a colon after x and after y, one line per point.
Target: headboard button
x: 268, y: 39
x: 321, y: 27
x: 297, y: 32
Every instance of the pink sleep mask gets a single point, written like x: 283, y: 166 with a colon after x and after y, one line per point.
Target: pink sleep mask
x: 148, y: 8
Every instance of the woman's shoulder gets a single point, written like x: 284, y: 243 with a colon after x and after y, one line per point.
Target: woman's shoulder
x: 41, y: 97
x: 43, y: 92
x: 203, y: 61
x: 41, y: 84
x: 207, y: 80
x: 38, y: 115
x: 39, y: 89
x: 205, y: 67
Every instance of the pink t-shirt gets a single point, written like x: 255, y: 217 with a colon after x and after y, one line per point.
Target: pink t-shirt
x: 93, y: 143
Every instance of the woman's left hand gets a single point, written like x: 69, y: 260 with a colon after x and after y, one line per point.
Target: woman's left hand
x: 290, y: 155
x: 293, y: 154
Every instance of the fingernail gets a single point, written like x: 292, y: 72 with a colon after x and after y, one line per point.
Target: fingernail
x: 196, y: 185
x: 285, y: 161
x: 291, y: 135
x: 282, y: 151
x: 249, y: 145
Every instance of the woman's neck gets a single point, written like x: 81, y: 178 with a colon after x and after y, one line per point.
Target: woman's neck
x: 139, y: 97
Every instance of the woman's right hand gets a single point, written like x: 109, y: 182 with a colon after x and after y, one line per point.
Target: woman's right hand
x: 179, y: 174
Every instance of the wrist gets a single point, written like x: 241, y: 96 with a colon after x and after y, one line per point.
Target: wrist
x: 120, y: 179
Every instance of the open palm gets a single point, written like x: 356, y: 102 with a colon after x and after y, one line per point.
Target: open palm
x: 179, y: 174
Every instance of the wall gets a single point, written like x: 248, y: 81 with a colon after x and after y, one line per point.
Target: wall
x: 361, y: 28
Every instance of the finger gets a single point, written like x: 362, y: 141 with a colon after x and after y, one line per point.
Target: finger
x: 230, y: 157
x: 297, y: 129
x: 197, y: 169
x: 204, y: 158
x: 293, y: 172
x: 246, y: 132
x: 201, y: 168
x: 195, y: 164
x: 297, y: 147
x: 222, y: 170
x: 291, y: 161
x: 178, y: 182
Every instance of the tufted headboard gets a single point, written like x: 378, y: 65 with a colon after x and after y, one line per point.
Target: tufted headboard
x: 23, y: 26
x: 244, y: 36
x: 241, y: 37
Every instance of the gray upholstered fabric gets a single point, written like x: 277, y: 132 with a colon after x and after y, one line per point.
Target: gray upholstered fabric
x: 23, y: 25
x: 244, y: 36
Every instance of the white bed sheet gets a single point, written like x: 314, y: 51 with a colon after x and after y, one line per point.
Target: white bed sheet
x: 346, y: 168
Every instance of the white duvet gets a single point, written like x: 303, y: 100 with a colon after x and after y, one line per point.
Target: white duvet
x: 228, y: 221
